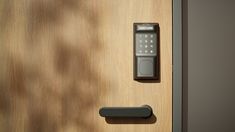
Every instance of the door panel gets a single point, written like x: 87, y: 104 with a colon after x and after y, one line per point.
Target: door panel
x: 65, y: 59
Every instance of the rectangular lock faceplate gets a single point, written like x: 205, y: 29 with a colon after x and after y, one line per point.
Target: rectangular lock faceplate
x: 146, y: 51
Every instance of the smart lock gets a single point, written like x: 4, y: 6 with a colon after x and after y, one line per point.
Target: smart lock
x: 146, y: 51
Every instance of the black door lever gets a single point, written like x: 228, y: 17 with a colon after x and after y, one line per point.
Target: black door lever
x: 144, y: 111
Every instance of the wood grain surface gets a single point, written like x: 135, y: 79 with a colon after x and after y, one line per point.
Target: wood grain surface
x: 61, y: 60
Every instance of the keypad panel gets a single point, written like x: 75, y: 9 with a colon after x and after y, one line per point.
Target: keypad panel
x: 146, y: 44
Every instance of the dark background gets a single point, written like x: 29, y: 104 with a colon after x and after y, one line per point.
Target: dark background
x: 209, y: 65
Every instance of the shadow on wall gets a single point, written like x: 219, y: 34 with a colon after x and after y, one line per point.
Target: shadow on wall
x: 47, y: 69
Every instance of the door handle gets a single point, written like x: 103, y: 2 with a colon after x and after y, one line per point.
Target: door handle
x: 144, y: 111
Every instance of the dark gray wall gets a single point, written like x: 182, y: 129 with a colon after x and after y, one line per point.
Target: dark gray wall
x: 209, y: 65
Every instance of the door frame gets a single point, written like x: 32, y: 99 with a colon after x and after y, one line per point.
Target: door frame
x: 177, y: 66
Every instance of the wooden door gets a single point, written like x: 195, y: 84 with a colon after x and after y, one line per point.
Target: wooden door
x: 62, y: 60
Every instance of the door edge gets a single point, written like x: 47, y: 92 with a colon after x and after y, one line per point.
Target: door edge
x: 177, y: 66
